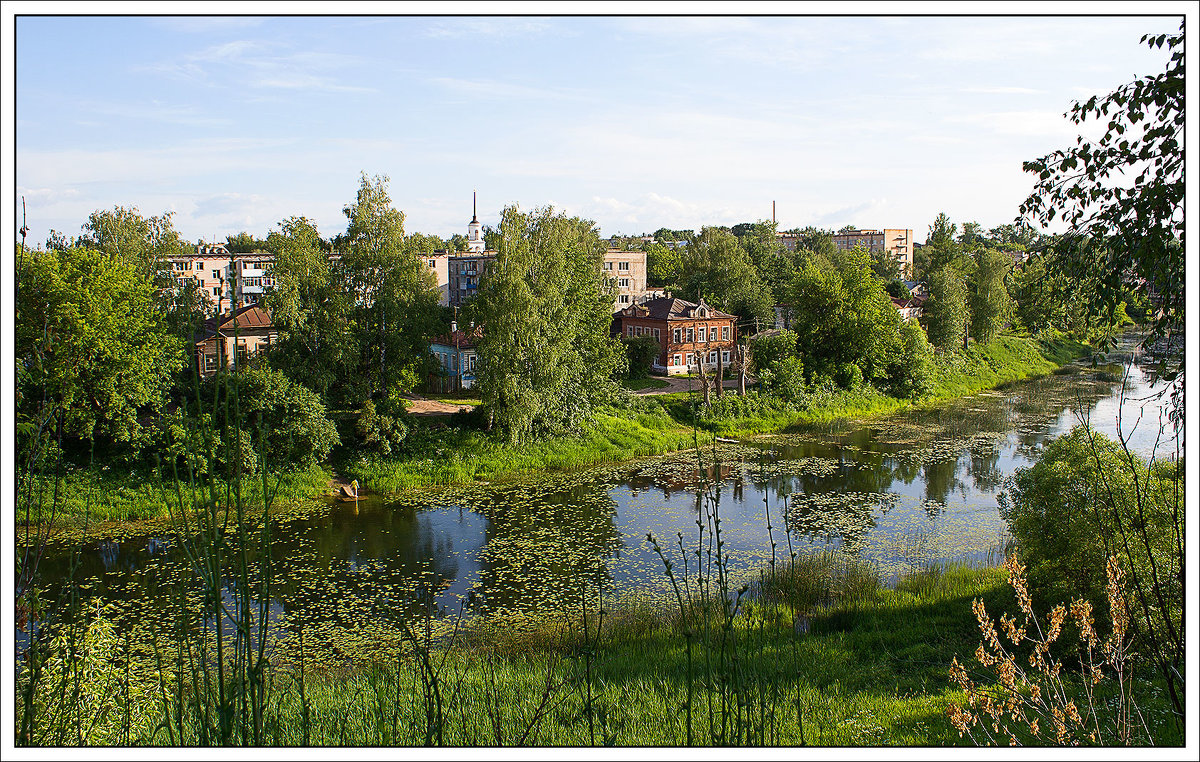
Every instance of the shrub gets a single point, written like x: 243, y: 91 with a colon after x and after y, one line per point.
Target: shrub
x: 641, y: 352
x: 784, y: 378
x: 379, y: 431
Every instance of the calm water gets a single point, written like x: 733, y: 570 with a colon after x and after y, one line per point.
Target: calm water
x: 902, y: 491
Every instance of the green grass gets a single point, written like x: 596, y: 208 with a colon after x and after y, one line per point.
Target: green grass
x: 100, y: 494
x: 663, y: 423
x: 650, y: 382
x: 872, y: 670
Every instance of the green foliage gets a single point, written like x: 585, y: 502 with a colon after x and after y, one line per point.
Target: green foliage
x: 641, y: 352
x: 379, y: 432
x: 717, y: 269
x: 946, y: 312
x: 90, y: 341
x: 913, y: 375
x: 814, y: 242
x: 245, y: 243
x: 842, y: 316
x: 662, y: 265
x: 772, y: 347
x: 311, y: 307
x: 396, y: 296
x: 897, y: 290
x: 784, y: 377
x: 775, y: 266
x: 1123, y: 192
x: 989, y: 301
x: 942, y: 249
x: 283, y: 420
x: 546, y: 358
x: 1100, y: 501
x: 124, y: 232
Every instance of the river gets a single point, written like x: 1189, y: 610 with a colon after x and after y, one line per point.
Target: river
x: 916, y: 488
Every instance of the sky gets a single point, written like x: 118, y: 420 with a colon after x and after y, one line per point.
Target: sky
x: 635, y: 122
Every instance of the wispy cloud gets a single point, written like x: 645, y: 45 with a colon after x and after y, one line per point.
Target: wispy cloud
x: 157, y: 111
x: 264, y: 64
x: 499, y: 90
x: 487, y: 28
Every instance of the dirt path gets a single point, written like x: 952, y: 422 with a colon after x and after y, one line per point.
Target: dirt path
x: 681, y: 384
x: 418, y: 405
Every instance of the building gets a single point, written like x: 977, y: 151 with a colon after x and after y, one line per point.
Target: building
x: 227, y: 280
x: 457, y: 355
x: 628, y: 270
x: 910, y: 309
x: 439, y: 263
x: 687, y: 333
x: 240, y: 335
x: 464, y: 272
x: 895, y: 241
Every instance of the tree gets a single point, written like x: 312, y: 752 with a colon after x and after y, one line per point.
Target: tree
x: 311, y: 307
x: 990, y: 303
x: 1124, y: 192
x: 396, y: 296
x: 285, y: 420
x: 946, y: 312
x: 662, y: 265
x: 773, y: 347
x: 768, y: 255
x: 814, y: 241
x: 941, y: 249
x: 90, y: 341
x: 143, y: 241
x: 457, y: 242
x: 244, y: 243
x: 425, y: 243
x: 714, y: 267
x: 843, y: 317
x: 546, y: 358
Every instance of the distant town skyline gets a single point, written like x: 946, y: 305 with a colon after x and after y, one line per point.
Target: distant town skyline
x: 635, y: 122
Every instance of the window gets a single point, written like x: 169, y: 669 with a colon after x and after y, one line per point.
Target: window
x: 724, y: 333
x: 677, y: 337
x: 210, y: 362
x: 655, y: 334
x: 622, y: 265
x: 629, y: 331
x: 623, y: 283
x: 608, y: 265
x: 216, y: 290
x: 216, y: 274
x: 712, y: 357
x: 691, y: 336
x: 471, y: 363
x: 623, y: 298
x: 725, y: 356
x: 675, y: 359
x: 638, y: 331
x: 703, y: 333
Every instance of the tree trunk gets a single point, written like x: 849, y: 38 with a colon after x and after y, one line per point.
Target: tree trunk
x: 703, y: 379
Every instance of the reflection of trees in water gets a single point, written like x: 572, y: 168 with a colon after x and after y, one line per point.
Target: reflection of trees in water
x: 850, y: 518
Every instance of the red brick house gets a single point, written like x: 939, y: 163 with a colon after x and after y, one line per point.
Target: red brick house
x: 686, y: 332
x: 243, y: 334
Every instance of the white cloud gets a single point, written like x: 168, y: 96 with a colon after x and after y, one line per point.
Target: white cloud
x: 487, y: 28
x: 264, y: 64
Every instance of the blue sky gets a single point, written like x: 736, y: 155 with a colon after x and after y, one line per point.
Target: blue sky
x: 634, y: 122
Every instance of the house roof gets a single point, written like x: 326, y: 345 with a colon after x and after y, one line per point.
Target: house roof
x: 670, y: 308
x: 249, y: 318
x: 460, y: 339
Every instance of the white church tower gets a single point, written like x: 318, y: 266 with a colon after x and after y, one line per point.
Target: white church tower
x: 475, y: 243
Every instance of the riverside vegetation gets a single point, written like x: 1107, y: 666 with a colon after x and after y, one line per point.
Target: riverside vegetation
x: 810, y: 649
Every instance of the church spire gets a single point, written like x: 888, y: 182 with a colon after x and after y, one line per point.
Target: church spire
x: 474, y: 214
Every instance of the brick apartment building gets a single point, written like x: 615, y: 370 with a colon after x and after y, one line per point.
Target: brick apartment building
x: 687, y: 333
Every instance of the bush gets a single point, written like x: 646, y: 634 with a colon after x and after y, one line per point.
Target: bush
x: 641, y: 352
x: 913, y: 375
x: 784, y: 378
x: 379, y: 431
x: 1088, y: 499
x: 285, y: 421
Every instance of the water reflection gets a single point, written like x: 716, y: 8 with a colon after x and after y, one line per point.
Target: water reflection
x: 909, y: 489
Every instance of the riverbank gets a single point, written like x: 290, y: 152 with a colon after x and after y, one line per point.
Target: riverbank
x: 658, y: 424
x: 447, y: 452
x: 821, y: 655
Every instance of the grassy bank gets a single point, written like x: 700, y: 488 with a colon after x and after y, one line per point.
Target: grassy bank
x: 663, y: 423
x: 101, y: 495
x: 869, y: 667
